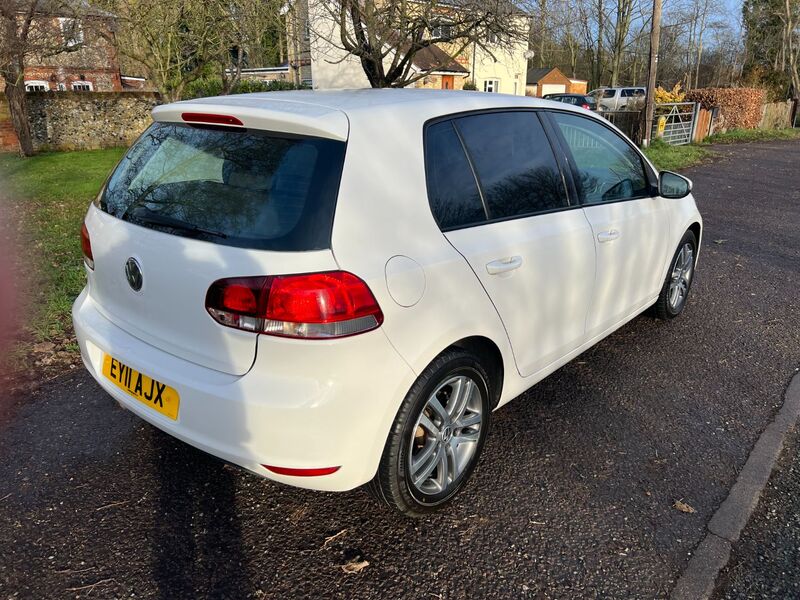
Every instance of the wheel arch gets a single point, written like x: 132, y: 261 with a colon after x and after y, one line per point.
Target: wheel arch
x: 492, y: 359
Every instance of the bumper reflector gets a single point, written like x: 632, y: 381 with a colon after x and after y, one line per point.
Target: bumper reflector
x: 302, y: 472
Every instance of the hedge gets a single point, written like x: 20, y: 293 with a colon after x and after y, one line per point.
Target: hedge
x: 740, y: 107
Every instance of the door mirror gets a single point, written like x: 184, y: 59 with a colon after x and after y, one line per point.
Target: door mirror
x: 672, y: 185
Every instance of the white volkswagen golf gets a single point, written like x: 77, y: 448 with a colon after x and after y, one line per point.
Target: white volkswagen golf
x: 333, y: 289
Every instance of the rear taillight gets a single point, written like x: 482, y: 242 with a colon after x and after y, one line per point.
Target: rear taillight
x: 86, y: 246
x: 313, y: 305
x: 586, y: 106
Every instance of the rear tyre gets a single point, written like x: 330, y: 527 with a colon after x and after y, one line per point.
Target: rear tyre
x: 675, y: 291
x: 437, y: 436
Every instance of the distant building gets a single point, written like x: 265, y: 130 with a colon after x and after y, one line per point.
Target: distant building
x: 89, y: 60
x: 550, y: 80
x: 319, y: 63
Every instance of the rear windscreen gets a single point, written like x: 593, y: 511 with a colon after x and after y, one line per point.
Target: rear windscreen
x: 244, y: 188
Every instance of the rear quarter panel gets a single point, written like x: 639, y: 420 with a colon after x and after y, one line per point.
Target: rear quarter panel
x: 383, y: 211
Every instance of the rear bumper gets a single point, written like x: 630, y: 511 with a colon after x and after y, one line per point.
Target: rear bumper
x: 303, y: 404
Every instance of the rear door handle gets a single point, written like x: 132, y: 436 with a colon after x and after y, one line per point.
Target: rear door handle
x: 608, y: 236
x: 503, y: 265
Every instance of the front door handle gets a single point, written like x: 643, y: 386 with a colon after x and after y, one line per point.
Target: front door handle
x: 503, y: 265
x: 608, y: 236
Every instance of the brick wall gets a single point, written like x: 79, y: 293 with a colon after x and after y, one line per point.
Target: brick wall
x: 83, y: 121
x: 8, y: 138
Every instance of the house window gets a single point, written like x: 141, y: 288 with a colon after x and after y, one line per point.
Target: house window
x: 491, y: 85
x: 37, y: 86
x: 61, y: 87
x: 71, y: 31
x: 82, y: 86
x: 492, y: 38
x: 443, y: 30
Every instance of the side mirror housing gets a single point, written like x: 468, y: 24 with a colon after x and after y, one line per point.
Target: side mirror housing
x: 672, y: 185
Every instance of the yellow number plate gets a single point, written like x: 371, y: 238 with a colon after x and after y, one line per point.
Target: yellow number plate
x: 158, y: 396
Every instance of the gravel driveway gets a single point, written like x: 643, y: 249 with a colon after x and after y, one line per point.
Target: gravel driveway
x: 574, y: 495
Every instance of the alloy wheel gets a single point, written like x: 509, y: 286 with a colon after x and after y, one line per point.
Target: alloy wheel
x: 445, y: 438
x: 682, y: 271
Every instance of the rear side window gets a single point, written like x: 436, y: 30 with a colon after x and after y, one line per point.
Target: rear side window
x: 514, y: 163
x: 244, y: 188
x: 452, y: 191
x: 609, y: 169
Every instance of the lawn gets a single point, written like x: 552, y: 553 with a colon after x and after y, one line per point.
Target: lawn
x: 675, y: 158
x: 49, y: 194
x: 752, y: 135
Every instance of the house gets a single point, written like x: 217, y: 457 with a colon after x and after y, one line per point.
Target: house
x: 87, y: 60
x: 316, y: 60
x: 550, y: 80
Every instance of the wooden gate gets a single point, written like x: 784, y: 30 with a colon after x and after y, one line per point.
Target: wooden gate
x: 702, y: 127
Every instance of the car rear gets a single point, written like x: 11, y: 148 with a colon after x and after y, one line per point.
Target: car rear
x: 215, y: 308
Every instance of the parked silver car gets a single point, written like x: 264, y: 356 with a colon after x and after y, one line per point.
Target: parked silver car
x: 619, y: 98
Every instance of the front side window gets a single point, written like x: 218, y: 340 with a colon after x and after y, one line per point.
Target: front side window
x: 491, y: 85
x: 245, y: 188
x: 516, y: 169
x: 609, y: 169
x: 452, y: 190
x: 609, y: 93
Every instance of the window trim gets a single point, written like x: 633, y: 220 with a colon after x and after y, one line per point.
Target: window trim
x: 79, y: 83
x: 495, y: 86
x: 648, y: 173
x: 37, y: 83
x: 570, y: 195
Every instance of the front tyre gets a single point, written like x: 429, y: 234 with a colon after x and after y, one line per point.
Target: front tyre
x: 437, y: 436
x: 675, y: 291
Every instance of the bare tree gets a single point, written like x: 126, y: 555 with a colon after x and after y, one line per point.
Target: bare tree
x: 387, y: 35
x: 175, y: 41
x: 27, y: 28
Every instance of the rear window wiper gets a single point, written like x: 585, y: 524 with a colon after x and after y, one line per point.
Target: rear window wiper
x: 145, y: 215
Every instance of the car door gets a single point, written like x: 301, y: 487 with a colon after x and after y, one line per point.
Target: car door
x: 629, y: 220
x: 531, y: 250
x: 610, y: 99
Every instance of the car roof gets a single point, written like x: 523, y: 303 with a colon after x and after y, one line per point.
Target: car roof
x: 331, y: 113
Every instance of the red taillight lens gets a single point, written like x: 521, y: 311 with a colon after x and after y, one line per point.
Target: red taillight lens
x: 313, y: 305
x: 86, y: 246
x: 586, y: 106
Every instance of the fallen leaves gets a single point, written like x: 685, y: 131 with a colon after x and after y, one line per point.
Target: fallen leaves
x: 355, y: 566
x: 683, y: 507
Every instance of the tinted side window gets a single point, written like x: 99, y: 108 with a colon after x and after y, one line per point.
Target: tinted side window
x: 609, y: 93
x: 452, y: 190
x: 609, y: 168
x: 627, y: 93
x: 514, y: 163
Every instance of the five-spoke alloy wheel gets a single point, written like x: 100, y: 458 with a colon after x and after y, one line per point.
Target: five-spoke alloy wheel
x: 437, y: 435
x: 675, y: 290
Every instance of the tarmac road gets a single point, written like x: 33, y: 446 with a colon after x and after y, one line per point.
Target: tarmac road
x: 573, y: 498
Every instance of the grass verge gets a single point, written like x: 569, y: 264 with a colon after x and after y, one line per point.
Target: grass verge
x: 752, y: 135
x: 675, y: 158
x: 47, y: 196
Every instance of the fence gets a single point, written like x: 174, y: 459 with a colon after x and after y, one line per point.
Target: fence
x: 627, y: 121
